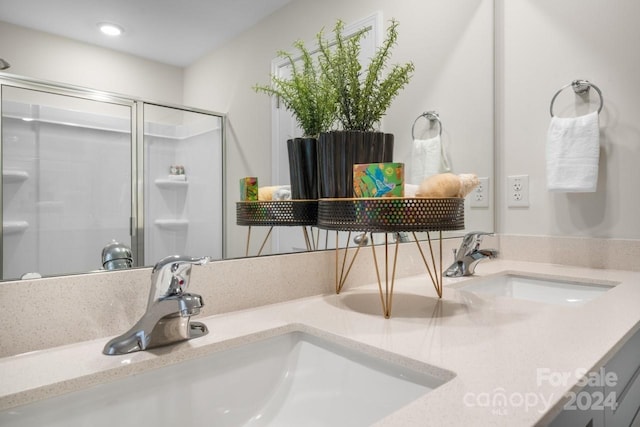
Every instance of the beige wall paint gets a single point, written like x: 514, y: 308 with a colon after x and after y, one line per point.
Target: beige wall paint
x: 48, y: 57
x: 542, y: 45
x: 451, y: 45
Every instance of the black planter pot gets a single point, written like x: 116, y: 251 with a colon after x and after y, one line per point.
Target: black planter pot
x: 303, y: 168
x: 338, y: 151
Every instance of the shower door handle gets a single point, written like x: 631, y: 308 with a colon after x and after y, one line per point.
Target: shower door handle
x: 132, y: 226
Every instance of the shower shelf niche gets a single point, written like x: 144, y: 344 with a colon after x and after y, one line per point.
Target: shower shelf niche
x: 14, y: 227
x: 172, y: 224
x: 14, y: 176
x: 170, y: 183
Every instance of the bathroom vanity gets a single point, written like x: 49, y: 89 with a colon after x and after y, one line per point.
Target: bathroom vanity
x: 492, y: 355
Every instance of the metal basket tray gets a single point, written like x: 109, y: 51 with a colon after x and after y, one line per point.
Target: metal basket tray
x: 387, y: 215
x: 277, y: 213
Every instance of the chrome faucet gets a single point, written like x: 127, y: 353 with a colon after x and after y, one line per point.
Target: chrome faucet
x: 169, y: 310
x: 469, y: 255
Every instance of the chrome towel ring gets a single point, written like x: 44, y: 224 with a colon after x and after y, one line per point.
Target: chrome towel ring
x: 431, y: 116
x: 579, y: 87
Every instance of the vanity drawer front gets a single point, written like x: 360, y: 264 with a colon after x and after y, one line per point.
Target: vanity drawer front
x: 626, y: 413
x: 587, y: 417
x: 636, y: 420
x: 626, y: 365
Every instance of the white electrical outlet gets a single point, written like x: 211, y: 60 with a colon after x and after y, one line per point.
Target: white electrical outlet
x: 518, y: 191
x: 479, y: 197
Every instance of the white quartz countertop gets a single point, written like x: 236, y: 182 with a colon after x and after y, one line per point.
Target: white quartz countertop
x: 493, y: 345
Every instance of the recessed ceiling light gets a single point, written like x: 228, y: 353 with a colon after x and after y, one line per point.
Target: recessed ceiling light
x: 110, y: 29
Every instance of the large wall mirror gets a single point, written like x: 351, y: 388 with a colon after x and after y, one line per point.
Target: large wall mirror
x: 86, y: 179
x: 450, y: 43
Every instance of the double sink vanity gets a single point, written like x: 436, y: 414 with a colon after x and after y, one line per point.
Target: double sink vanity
x: 511, y: 345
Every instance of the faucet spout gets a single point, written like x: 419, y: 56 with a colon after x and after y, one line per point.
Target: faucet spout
x: 168, y: 313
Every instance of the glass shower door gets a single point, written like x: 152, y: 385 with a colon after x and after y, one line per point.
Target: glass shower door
x: 183, y: 183
x: 66, y: 181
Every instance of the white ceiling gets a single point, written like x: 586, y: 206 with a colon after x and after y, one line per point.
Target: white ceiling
x: 174, y: 32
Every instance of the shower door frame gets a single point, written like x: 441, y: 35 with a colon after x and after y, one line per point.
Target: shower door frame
x: 139, y: 225
x: 136, y: 105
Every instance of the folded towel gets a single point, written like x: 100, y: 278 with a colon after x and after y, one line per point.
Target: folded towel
x: 274, y: 192
x: 282, y: 193
x: 410, y: 190
x: 573, y: 151
x: 428, y: 157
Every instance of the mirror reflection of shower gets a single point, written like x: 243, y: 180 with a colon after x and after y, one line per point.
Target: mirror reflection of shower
x: 116, y: 256
x: 74, y: 178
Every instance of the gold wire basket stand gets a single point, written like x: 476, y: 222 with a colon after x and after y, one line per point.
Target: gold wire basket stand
x: 390, y: 215
x: 272, y: 213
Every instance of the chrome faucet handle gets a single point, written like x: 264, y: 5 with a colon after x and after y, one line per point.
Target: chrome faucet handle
x: 477, y: 234
x: 481, y: 233
x: 473, y: 239
x: 470, y: 243
x: 170, y: 275
x: 469, y: 254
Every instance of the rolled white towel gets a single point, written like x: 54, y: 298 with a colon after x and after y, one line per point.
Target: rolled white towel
x: 282, y: 193
x: 410, y: 190
x: 274, y: 192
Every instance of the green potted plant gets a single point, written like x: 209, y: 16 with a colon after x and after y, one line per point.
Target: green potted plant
x: 312, y: 99
x: 363, y: 97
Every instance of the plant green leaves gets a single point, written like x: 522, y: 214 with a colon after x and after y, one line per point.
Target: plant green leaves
x: 307, y: 93
x: 364, y: 97
x: 334, y: 87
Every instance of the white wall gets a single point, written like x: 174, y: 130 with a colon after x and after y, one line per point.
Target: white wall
x: 542, y: 45
x: 450, y: 44
x: 48, y: 57
x: 444, y: 41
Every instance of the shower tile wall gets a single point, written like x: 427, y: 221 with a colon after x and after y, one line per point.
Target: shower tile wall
x: 183, y: 217
x: 66, y: 188
x: 67, y: 182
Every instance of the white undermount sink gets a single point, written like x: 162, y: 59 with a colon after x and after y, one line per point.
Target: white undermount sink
x: 562, y: 291
x: 294, y: 379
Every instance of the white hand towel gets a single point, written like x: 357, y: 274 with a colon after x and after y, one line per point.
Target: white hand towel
x: 282, y: 193
x: 428, y: 157
x: 573, y: 151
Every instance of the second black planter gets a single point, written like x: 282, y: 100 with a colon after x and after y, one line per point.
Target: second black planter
x: 338, y: 151
x: 303, y: 168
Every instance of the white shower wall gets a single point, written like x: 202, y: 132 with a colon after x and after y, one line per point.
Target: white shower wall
x: 73, y: 191
x: 67, y: 186
x: 183, y: 217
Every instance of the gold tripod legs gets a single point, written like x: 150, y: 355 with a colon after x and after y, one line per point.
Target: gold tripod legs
x: 434, y: 269
x: 342, y: 277
x: 436, y: 276
x: 264, y: 242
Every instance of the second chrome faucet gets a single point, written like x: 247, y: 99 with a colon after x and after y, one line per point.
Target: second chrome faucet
x: 469, y: 255
x: 167, y: 318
